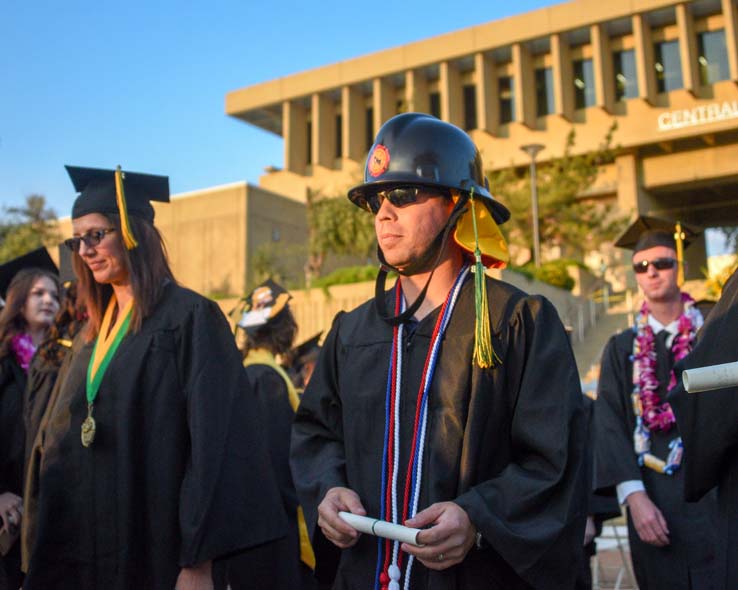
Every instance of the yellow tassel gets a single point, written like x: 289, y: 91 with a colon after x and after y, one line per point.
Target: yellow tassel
x: 125, y: 225
x: 679, y: 239
x: 484, y: 352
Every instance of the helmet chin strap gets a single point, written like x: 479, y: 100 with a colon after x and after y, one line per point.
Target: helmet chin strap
x: 428, y: 261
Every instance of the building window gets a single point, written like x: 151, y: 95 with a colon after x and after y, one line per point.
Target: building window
x: 507, y: 99
x: 668, y: 66
x: 309, y: 135
x: 470, y: 107
x: 712, y: 57
x: 369, y: 127
x: 584, y: 87
x: 434, y: 103
x: 544, y: 92
x: 339, y: 137
x: 626, y: 81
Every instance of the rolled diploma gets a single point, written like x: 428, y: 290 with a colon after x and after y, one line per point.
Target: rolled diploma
x: 382, y: 528
x: 712, y: 377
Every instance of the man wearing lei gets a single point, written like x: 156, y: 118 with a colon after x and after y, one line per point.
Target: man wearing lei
x: 638, y: 447
x: 449, y: 403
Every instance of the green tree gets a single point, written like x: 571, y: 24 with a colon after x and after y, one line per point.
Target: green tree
x: 27, y: 227
x: 335, y: 226
x: 566, y: 218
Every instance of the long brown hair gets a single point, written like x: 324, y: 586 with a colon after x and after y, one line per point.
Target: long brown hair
x: 148, y: 270
x: 12, y: 321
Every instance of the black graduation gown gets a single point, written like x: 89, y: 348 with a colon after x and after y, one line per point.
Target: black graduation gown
x: 178, y: 473
x: 709, y: 425
x: 691, y: 553
x: 12, y: 440
x: 277, y: 564
x: 506, y: 444
x: 600, y: 508
x: 42, y: 376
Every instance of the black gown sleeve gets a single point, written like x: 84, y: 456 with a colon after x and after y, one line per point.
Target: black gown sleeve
x: 12, y: 430
x: 533, y: 511
x: 708, y: 421
x: 229, y: 499
x: 615, y: 460
x: 317, y: 453
x: 271, y: 391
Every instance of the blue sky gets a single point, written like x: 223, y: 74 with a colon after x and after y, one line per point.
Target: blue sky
x: 142, y: 84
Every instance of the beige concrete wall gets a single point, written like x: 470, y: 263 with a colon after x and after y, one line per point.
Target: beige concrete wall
x: 205, y: 234
x: 277, y: 227
x: 315, y: 309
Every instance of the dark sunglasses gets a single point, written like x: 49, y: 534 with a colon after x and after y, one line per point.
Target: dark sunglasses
x: 399, y: 196
x: 91, y: 239
x: 658, y: 264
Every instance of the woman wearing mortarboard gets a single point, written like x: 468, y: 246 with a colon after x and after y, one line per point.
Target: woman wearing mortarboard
x: 270, y: 330
x: 30, y: 287
x: 149, y: 462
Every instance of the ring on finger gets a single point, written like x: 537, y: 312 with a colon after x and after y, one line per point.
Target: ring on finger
x: 440, y: 557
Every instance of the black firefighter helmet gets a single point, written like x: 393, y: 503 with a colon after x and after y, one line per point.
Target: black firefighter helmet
x: 418, y: 149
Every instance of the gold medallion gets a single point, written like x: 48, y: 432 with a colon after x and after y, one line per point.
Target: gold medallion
x: 88, y: 428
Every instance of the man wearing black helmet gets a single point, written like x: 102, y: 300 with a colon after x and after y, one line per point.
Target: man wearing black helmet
x: 451, y: 402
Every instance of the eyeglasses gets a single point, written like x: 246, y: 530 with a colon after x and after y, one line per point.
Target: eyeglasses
x: 399, y: 196
x: 91, y: 239
x: 658, y: 264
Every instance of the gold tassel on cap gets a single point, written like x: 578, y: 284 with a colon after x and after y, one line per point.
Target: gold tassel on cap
x: 484, y: 353
x: 125, y: 225
x: 679, y: 239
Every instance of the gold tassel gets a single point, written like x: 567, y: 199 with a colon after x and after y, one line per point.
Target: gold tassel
x: 679, y: 239
x: 125, y: 225
x: 484, y: 352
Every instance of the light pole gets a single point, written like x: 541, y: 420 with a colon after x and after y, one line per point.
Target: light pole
x: 532, y: 150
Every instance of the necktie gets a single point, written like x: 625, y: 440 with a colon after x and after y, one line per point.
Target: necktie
x: 663, y: 359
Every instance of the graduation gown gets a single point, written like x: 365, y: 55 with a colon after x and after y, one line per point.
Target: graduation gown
x: 691, y: 553
x: 178, y: 472
x: 274, y: 565
x: 12, y: 440
x: 708, y: 423
x: 506, y: 444
x: 42, y: 376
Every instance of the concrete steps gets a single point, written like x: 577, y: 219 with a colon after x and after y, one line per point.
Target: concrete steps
x: 589, y: 351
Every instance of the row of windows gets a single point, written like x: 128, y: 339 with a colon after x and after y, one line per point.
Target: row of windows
x: 712, y: 63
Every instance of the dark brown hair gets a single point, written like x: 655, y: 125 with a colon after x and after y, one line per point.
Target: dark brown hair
x: 148, y: 269
x: 276, y: 336
x: 12, y: 321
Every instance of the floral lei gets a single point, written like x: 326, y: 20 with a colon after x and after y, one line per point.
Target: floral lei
x: 23, y: 348
x: 658, y: 415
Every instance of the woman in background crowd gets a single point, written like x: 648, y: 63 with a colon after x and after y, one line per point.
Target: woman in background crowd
x: 30, y: 289
x: 270, y: 331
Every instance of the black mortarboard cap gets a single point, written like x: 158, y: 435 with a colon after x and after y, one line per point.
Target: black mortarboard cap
x: 39, y: 258
x: 97, y: 192
x: 648, y: 232
x: 307, y: 349
x: 264, y: 304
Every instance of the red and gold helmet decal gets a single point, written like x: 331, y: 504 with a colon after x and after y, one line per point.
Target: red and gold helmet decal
x: 378, y: 161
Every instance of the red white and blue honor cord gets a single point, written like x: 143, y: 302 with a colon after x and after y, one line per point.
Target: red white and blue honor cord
x: 389, y: 559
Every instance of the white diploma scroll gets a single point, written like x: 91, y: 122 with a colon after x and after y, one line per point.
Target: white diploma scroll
x: 382, y: 528
x: 712, y: 377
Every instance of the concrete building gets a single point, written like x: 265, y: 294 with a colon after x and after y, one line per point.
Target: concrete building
x: 665, y: 71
